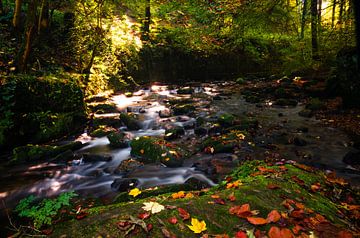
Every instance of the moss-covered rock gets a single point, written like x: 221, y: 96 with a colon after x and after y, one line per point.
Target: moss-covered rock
x: 185, y: 90
x: 315, y: 104
x: 240, y: 81
x: 103, y: 108
x: 152, y: 150
x: 130, y: 121
x: 182, y: 109
x: 102, y: 131
x: 112, y: 121
x: 174, y: 133
x: 128, y: 94
x: 127, y: 166
x: 226, y: 120
x: 118, y: 140
x: 30, y: 153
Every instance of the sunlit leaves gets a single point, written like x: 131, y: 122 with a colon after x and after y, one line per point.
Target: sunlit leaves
x: 135, y: 192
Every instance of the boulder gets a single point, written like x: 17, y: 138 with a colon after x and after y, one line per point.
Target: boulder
x: 127, y: 166
x: 124, y: 184
x: 102, y: 131
x: 185, y: 90
x: 165, y: 113
x: 118, y: 140
x: 174, y: 133
x: 130, y: 121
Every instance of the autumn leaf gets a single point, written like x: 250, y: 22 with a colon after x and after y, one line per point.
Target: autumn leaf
x: 180, y: 194
x: 315, y: 187
x: 154, y: 207
x: 232, y: 197
x: 149, y: 227
x: 272, y: 186
x: 276, y: 232
x: 242, y: 211
x: 134, y: 192
x: 197, y: 226
x: 273, y: 216
x: 173, y: 220
x: 219, y: 201
x: 241, y: 234
x: 144, y: 215
x: 142, y: 151
x: 257, y: 220
x: 184, y: 214
x: 235, y: 184
x: 189, y: 195
x: 344, y: 234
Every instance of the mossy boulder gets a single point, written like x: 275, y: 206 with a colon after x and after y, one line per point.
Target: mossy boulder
x: 118, y: 140
x: 174, y: 133
x: 152, y: 150
x: 240, y: 81
x: 128, y: 94
x: 315, y: 104
x: 185, y: 90
x: 31, y: 153
x: 102, y: 131
x: 112, y: 121
x: 130, y: 121
x: 225, y: 143
x: 226, y: 120
x: 183, y: 109
x: 127, y: 166
x: 103, y: 108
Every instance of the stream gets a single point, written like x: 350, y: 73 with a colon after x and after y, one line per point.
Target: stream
x: 325, y: 146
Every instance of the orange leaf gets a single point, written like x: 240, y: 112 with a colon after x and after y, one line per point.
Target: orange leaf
x: 257, y: 220
x: 344, y: 234
x: 273, y: 216
x: 173, y: 220
x: 274, y: 232
x: 272, y: 186
x: 232, y: 197
x: 242, y: 211
x: 286, y: 233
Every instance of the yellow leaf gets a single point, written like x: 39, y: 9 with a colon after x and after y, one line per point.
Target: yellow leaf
x: 167, y: 159
x: 189, y: 195
x: 197, y: 226
x: 177, y: 195
x: 142, y: 151
x: 134, y: 192
x: 154, y: 207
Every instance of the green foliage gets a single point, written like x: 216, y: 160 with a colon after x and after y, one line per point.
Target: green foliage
x: 7, y: 103
x: 43, y: 212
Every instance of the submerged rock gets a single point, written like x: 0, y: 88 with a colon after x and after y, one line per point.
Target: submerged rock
x: 124, y: 184
x: 118, y: 140
x: 127, y: 166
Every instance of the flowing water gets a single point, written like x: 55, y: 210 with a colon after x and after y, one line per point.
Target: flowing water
x: 327, y: 146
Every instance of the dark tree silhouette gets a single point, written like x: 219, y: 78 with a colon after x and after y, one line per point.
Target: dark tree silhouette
x: 356, y: 4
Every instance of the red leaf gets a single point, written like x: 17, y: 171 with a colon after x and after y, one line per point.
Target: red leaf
x: 241, y: 234
x: 257, y: 220
x: 47, y: 231
x: 274, y: 232
x: 144, y: 215
x: 219, y: 201
x: 315, y: 187
x: 232, y: 197
x: 297, y: 214
x: 242, y: 211
x: 173, y: 220
x: 273, y: 216
x: 286, y: 233
x: 298, y: 181
x: 344, y: 234
x: 81, y: 216
x: 184, y: 214
x: 149, y: 227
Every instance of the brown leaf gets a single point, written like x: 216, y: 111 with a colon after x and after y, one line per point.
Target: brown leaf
x: 166, y: 233
x: 298, y: 181
x: 257, y: 220
x: 344, y: 234
x: 173, y: 220
x: 272, y: 186
x: 183, y: 214
x: 297, y: 214
x: 273, y: 216
x: 315, y: 187
x: 144, y: 215
x: 242, y: 211
x: 219, y: 201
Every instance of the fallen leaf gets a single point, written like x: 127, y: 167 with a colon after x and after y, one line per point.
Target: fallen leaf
x: 219, y: 201
x: 173, y: 220
x: 273, y: 216
x: 241, y: 234
x: 144, y: 215
x: 180, y: 194
x: 232, y: 197
x: 183, y: 214
x: 134, y: 192
x: 197, y: 226
x: 315, y: 187
x: 142, y: 151
x: 298, y: 181
x: 189, y: 195
x: 166, y: 233
x: 154, y: 207
x: 215, y: 196
x: 242, y: 211
x: 257, y: 220
x: 222, y: 236
x: 149, y: 227
x: 344, y: 234
x: 272, y: 186
x: 297, y: 214
x: 276, y: 232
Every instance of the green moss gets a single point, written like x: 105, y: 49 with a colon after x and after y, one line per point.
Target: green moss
x: 102, y: 131
x: 226, y: 120
x: 315, y: 104
x: 118, y: 140
x: 181, y: 109
x: 130, y: 121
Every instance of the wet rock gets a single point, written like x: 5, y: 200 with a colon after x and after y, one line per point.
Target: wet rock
x: 197, y: 184
x: 285, y: 102
x: 200, y: 121
x: 135, y: 109
x: 186, y: 90
x: 112, y: 121
x: 142, y: 110
x: 130, y: 121
x: 174, y: 133
x: 252, y: 99
x: 306, y: 113
x: 183, y: 109
x: 102, y: 131
x: 95, y: 173
x: 217, y: 98
x: 281, y: 93
x: 183, y: 118
x: 103, y: 108
x: 127, y: 166
x: 352, y: 158
x: 200, y: 131
x: 165, y: 113
x: 124, y: 184
x: 118, y: 140
x: 302, y: 129
x: 181, y: 101
x: 299, y: 141
x: 64, y: 157
x: 285, y: 80
x: 219, y: 145
x: 128, y: 94
x: 215, y: 129
x: 96, y: 157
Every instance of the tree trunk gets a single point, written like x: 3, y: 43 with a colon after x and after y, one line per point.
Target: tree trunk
x: 17, y: 15
x: 314, y: 30
x: 303, y: 19
x: 43, y: 23
x: 319, y: 13
x: 147, y: 20
x: 333, y: 14
x: 356, y: 7
x: 1, y: 8
x: 30, y: 31
x: 341, y: 13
